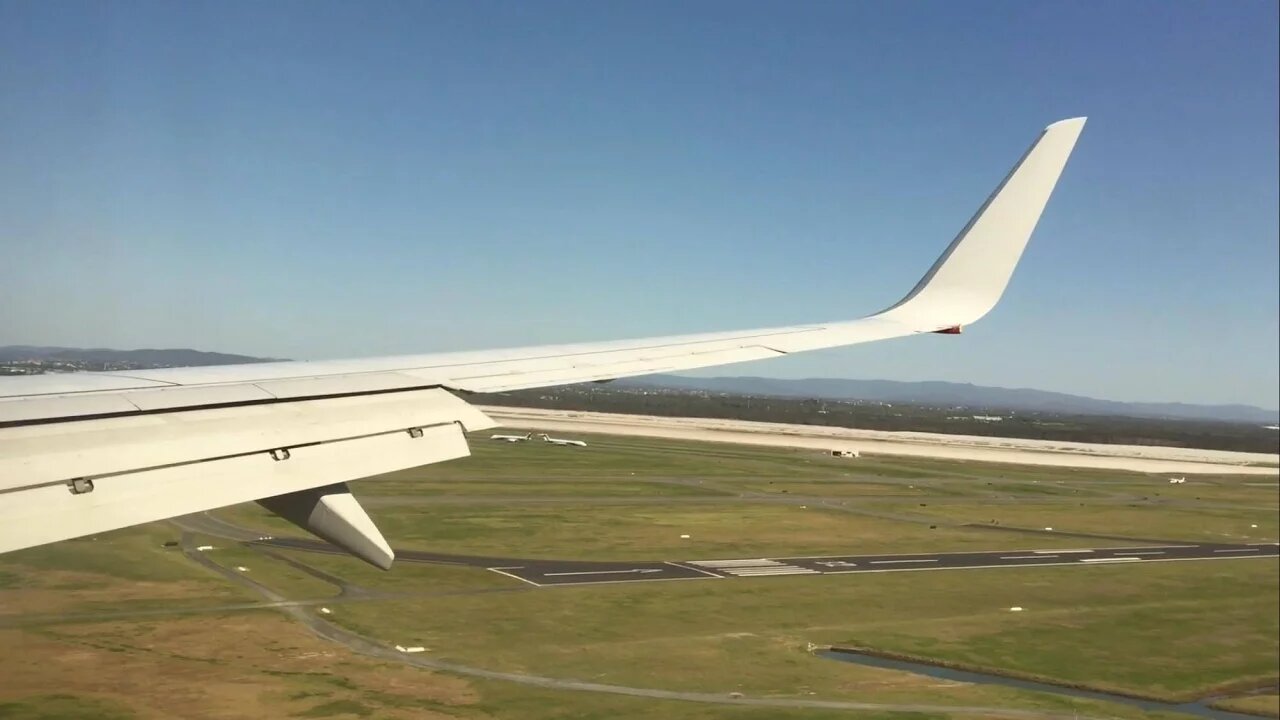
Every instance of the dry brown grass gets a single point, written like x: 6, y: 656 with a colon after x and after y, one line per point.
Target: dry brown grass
x: 219, y: 668
x: 52, y: 591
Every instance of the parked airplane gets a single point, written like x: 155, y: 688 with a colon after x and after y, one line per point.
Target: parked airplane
x: 85, y: 453
x: 559, y: 441
x: 512, y: 438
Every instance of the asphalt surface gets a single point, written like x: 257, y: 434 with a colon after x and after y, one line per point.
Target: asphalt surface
x: 543, y: 573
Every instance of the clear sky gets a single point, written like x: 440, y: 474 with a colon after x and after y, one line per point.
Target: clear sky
x: 315, y: 180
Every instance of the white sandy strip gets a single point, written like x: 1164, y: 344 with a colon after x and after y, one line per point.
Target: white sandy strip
x: 1136, y: 458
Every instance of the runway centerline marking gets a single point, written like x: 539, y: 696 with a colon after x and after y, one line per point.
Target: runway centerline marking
x: 1237, y: 550
x: 604, y: 572
x: 886, y: 562
x: 1110, y: 559
x: 1027, y: 557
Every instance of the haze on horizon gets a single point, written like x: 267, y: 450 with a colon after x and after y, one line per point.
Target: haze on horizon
x: 316, y: 180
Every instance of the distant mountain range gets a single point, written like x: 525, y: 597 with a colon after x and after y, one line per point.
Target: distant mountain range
x: 179, y: 357
x: 932, y: 393
x: 954, y: 394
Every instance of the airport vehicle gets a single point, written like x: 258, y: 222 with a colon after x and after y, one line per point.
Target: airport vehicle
x: 85, y: 453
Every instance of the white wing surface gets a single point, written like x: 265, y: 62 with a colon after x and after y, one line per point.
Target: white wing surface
x: 89, y: 452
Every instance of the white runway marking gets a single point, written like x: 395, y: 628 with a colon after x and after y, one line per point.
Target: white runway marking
x: 603, y: 572
x: 753, y: 568
x: 724, y: 569
x: 500, y: 572
x: 789, y: 570
x: 1064, y: 552
x: 697, y: 570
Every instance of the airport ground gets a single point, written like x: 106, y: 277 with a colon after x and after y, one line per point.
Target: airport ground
x: 521, y: 583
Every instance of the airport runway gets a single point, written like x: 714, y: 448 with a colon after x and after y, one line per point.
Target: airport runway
x: 543, y: 573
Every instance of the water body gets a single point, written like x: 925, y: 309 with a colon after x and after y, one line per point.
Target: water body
x: 1197, y: 709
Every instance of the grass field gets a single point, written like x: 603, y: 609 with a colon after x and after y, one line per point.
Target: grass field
x: 122, y: 627
x: 1145, y: 632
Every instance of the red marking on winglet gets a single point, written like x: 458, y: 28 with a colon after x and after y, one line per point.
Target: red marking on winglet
x: 953, y: 330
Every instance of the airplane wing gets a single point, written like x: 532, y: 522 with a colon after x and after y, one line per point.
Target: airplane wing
x: 85, y: 453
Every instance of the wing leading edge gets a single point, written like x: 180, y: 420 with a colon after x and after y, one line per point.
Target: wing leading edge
x: 58, y: 432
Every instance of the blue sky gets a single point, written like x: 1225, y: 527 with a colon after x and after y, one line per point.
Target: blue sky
x: 315, y: 180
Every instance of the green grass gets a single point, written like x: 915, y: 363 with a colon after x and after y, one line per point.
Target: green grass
x: 842, y: 487
x: 289, y: 581
x: 10, y: 580
x: 130, y: 554
x: 1267, y: 705
x: 337, y: 708
x: 123, y: 570
x: 1168, y: 628
x: 533, y: 488
x: 63, y: 707
x: 1246, y: 492
x: 653, y: 532
x: 507, y: 701
x: 1205, y: 524
x: 1172, y: 629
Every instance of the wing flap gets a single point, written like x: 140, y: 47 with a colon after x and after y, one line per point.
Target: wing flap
x: 339, y: 385
x: 51, y: 513
x: 56, y: 453
x: 47, y: 407
x: 170, y: 398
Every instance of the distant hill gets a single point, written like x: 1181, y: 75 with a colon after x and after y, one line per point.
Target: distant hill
x: 954, y: 394
x: 178, y: 357
x: 933, y: 393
